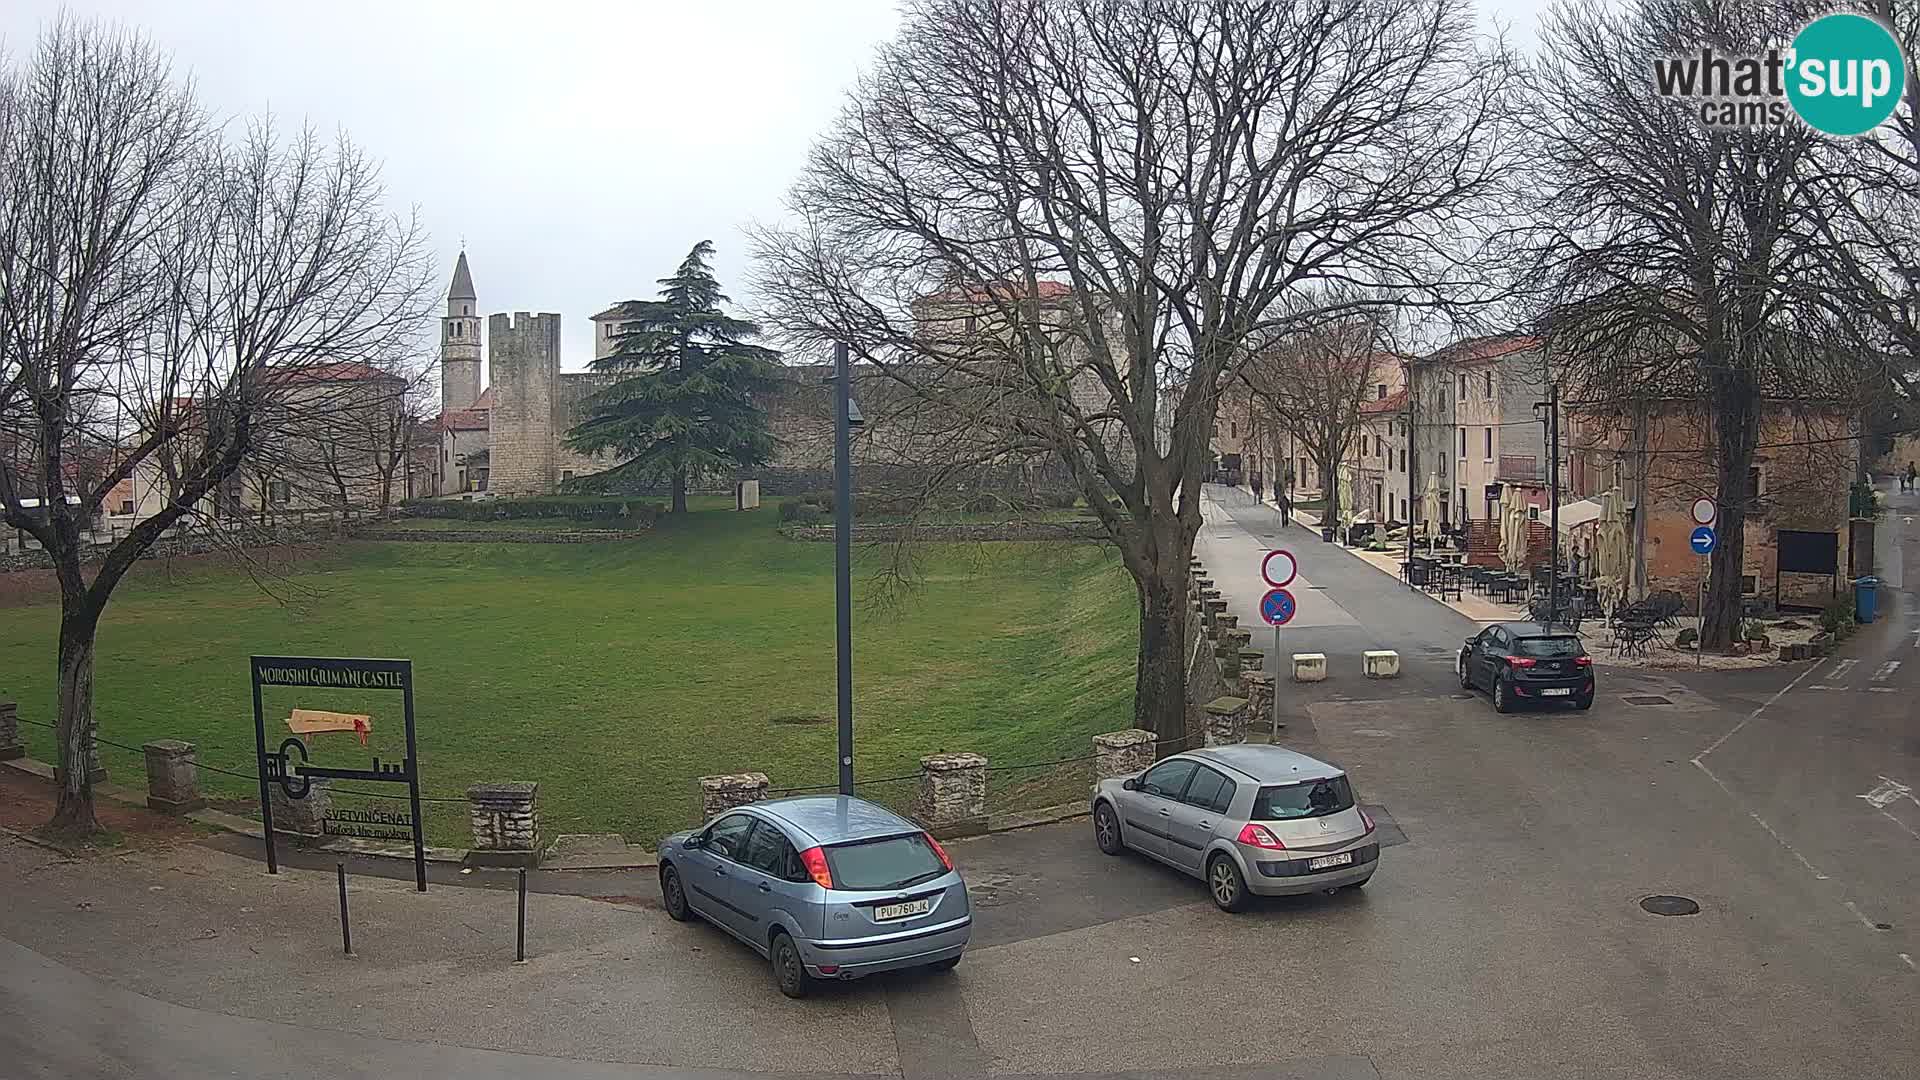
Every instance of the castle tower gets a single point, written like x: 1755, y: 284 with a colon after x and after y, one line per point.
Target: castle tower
x: 526, y: 372
x: 460, y: 343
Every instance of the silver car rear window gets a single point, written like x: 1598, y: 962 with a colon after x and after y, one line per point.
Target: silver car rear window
x: 895, y: 862
x: 1311, y: 798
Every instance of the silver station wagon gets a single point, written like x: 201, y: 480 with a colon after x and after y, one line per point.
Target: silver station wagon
x: 824, y: 886
x: 1246, y: 819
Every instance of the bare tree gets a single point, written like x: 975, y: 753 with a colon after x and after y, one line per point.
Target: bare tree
x: 163, y: 300
x: 1053, y: 220
x: 1674, y: 261
x: 1313, y: 382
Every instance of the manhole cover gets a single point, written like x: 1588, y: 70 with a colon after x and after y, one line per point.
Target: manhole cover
x: 1670, y: 905
x: 1646, y: 699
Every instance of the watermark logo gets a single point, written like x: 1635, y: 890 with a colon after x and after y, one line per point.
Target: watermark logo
x: 1843, y: 75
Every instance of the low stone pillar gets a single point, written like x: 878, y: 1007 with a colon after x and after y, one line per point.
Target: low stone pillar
x: 506, y: 823
x: 1227, y: 654
x: 1259, y: 686
x: 1252, y: 661
x: 1380, y: 663
x: 173, y: 776
x: 10, y: 745
x: 1228, y: 619
x: 1215, y: 607
x: 1122, y: 753
x: 719, y: 794
x: 1309, y: 667
x: 300, y: 817
x: 1226, y: 721
x: 953, y: 794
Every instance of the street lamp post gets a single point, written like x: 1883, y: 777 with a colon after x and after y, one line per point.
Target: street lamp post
x: 845, y: 417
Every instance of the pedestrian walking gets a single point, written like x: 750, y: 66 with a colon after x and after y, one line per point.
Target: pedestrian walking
x: 1913, y: 474
x: 1258, y: 484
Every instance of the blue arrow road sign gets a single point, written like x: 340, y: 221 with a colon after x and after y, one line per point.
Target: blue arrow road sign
x: 1703, y: 540
x: 1277, y: 607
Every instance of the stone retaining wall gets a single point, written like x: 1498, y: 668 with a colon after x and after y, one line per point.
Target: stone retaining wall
x: 500, y: 536
x: 174, y: 547
x: 969, y: 532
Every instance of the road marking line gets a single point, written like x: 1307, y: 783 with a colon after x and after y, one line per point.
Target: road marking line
x: 1909, y: 961
x: 1840, y: 669
x: 1902, y: 824
x: 1886, y: 669
x: 1699, y: 762
x: 1883, y: 689
x: 1887, y: 790
x: 1856, y: 914
x: 1823, y: 686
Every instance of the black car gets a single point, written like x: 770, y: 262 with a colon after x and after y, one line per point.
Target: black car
x: 1521, y: 662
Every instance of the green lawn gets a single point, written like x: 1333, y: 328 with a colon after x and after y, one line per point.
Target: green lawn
x: 616, y: 673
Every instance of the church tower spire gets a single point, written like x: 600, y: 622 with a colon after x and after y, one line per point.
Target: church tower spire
x: 460, y: 342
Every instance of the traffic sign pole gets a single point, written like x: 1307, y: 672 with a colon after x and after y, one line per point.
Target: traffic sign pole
x: 1275, y: 735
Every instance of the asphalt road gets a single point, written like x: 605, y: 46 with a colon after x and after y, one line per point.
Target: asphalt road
x: 1503, y: 937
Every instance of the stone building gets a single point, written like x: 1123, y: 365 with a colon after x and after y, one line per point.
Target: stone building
x: 510, y: 438
x: 1796, y: 490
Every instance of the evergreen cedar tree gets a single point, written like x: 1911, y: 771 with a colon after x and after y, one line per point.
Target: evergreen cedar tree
x: 683, y: 401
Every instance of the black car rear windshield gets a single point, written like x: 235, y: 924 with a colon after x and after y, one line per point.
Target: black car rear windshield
x: 1313, y: 798
x: 893, y: 863
x: 1548, y: 646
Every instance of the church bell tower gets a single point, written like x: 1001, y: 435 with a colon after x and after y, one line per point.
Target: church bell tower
x: 460, y: 343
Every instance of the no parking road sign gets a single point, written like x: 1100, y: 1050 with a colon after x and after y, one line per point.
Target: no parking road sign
x: 1277, y: 607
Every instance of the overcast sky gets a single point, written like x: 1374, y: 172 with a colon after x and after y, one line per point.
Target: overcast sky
x: 579, y: 149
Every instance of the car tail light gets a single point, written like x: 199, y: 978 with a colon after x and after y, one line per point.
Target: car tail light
x: 1583, y: 661
x: 829, y: 969
x: 815, y: 860
x: 938, y: 850
x: 1258, y: 836
x: 1364, y: 816
x: 1521, y: 661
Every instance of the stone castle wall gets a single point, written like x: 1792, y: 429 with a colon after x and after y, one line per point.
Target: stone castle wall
x: 526, y: 371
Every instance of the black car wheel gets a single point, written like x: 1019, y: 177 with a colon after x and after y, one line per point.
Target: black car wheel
x: 789, y: 971
x: 1466, y: 676
x: 1502, y: 697
x: 1225, y: 885
x: 948, y: 964
x: 1583, y: 703
x: 673, y: 895
x: 1106, y: 830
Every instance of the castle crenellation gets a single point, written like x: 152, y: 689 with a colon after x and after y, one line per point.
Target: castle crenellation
x: 510, y: 438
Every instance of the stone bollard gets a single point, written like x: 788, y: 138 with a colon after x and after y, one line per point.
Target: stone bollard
x: 953, y: 794
x: 719, y: 794
x: 1380, y: 664
x: 1259, y: 692
x: 1252, y: 662
x: 1121, y: 753
x: 1227, y: 655
x: 10, y: 745
x: 506, y: 823
x: 173, y: 777
x: 1226, y: 721
x: 1227, y: 621
x: 1309, y: 667
x: 1215, y: 608
x: 301, y: 817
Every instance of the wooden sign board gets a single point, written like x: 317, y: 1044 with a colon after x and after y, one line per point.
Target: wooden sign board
x: 309, y: 721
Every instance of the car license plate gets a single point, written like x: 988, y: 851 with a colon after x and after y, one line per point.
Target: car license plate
x: 1556, y: 691
x: 901, y: 911
x: 1327, y: 862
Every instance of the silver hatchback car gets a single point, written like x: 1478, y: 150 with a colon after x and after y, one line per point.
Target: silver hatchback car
x: 824, y: 886
x: 1246, y: 819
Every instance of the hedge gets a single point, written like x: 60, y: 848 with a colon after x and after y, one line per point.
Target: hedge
x: 606, y: 511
